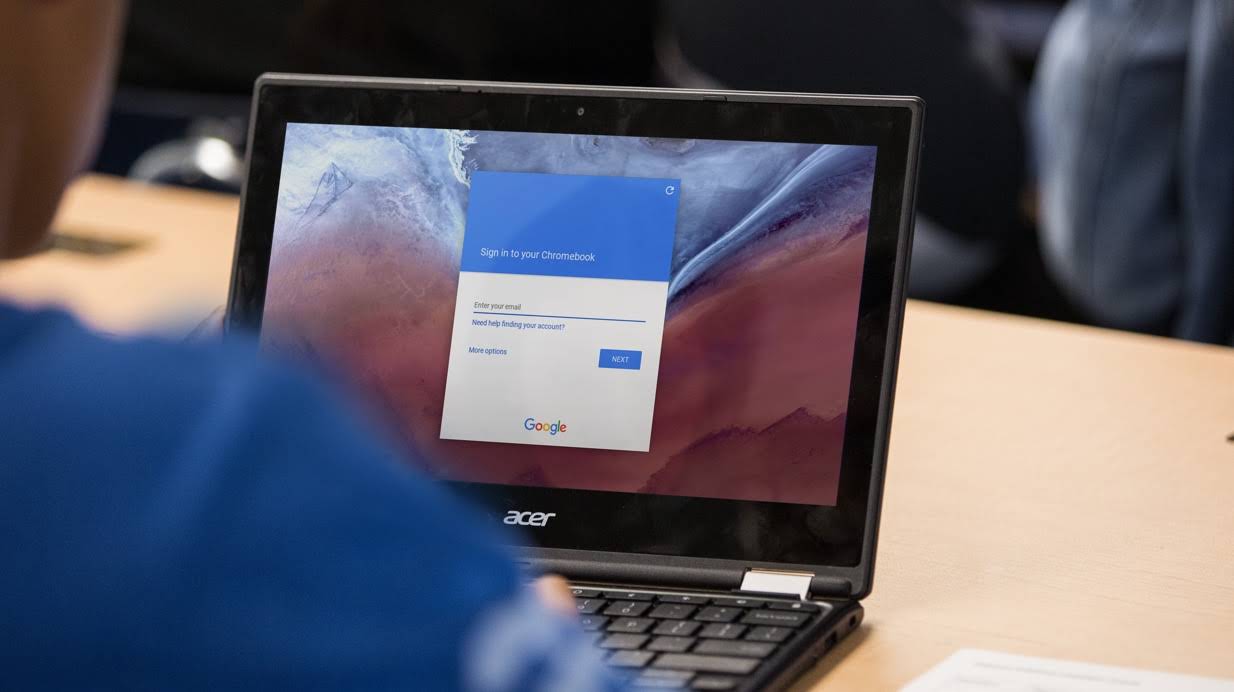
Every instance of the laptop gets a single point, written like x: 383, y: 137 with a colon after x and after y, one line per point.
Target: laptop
x: 653, y: 331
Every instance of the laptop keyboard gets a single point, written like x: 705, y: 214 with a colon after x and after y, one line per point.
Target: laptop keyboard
x: 686, y: 641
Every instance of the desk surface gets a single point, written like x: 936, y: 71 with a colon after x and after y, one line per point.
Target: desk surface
x: 1053, y: 490
x: 134, y: 257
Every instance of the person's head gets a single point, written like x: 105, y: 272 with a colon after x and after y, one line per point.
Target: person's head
x: 57, y: 58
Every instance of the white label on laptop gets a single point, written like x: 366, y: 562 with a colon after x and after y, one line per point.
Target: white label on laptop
x: 560, y: 310
x: 974, y: 670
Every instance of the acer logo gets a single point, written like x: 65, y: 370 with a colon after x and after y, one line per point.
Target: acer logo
x: 517, y: 518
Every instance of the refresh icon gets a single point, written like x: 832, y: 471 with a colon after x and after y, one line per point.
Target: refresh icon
x: 670, y: 190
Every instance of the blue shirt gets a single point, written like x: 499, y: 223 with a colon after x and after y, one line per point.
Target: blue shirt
x: 186, y: 517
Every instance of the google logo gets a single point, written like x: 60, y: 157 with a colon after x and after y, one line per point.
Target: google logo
x: 550, y: 428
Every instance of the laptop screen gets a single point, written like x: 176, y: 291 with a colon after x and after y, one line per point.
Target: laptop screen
x: 629, y: 314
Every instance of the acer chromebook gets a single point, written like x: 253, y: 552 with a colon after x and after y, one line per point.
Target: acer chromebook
x: 656, y: 330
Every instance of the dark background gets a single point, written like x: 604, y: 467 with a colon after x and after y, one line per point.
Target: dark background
x: 187, y: 73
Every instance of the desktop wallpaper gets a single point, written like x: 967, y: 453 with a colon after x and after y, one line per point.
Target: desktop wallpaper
x: 760, y: 324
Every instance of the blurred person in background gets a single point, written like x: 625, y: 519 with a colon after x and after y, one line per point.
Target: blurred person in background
x: 1133, y: 120
x: 188, y: 517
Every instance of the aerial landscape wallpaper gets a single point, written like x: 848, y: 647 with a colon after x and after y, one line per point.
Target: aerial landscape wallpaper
x: 760, y: 323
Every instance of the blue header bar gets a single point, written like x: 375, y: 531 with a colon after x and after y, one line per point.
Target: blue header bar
x: 602, y: 227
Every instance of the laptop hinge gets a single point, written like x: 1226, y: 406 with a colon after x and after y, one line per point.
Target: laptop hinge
x: 768, y: 581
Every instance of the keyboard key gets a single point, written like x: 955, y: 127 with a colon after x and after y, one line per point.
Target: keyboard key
x: 630, y: 659
x: 714, y: 682
x: 588, y: 606
x: 677, y: 628
x: 718, y: 614
x: 655, y: 682
x: 593, y: 622
x: 657, y: 679
x: 623, y: 641
x: 768, y: 634
x: 722, y: 630
x: 627, y: 609
x: 672, y: 611
x: 775, y: 617
x: 738, y: 602
x: 676, y: 645
x: 585, y: 593
x: 629, y: 595
x: 645, y: 683
x: 803, y: 606
x: 679, y: 598
x: 707, y: 664
x: 662, y: 674
x: 730, y: 648
x: 634, y: 625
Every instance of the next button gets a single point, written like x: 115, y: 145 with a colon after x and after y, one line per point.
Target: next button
x: 620, y: 360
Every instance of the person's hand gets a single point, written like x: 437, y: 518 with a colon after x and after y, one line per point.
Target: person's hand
x: 554, y: 592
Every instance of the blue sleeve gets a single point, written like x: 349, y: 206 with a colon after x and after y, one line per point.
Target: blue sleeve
x: 1131, y: 113
x: 1207, y: 160
x: 180, y: 518
x: 1106, y: 118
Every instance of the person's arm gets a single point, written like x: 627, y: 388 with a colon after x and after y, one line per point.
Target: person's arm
x: 381, y: 572
x: 197, y: 523
x: 1107, y: 121
x: 1207, y: 178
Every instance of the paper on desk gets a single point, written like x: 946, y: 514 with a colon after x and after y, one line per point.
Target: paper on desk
x: 973, y: 670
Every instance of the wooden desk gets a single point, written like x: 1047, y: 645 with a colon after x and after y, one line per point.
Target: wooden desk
x: 175, y: 273
x: 1052, y: 490
x: 1055, y: 491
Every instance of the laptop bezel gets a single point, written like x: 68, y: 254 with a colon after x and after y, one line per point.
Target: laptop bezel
x: 637, y: 533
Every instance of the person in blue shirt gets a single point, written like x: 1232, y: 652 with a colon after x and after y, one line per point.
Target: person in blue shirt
x: 190, y: 517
